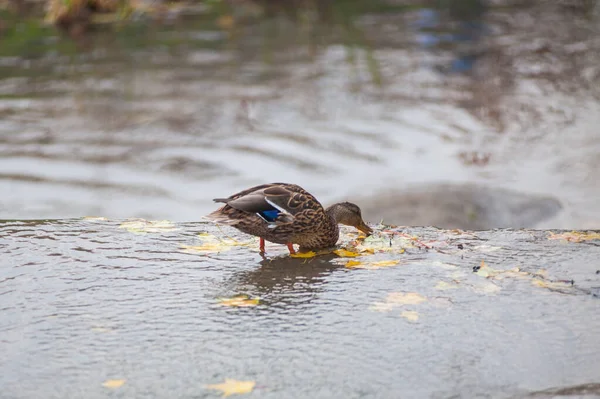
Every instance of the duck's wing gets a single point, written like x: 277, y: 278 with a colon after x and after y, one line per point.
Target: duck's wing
x: 273, y: 201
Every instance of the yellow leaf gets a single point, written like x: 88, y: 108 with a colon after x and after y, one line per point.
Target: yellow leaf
x: 230, y: 387
x: 488, y: 272
x: 239, y: 301
x: 410, y: 315
x: 541, y: 273
x: 353, y: 264
x: 515, y: 272
x: 375, y: 243
x: 396, y: 299
x: 409, y: 298
x: 344, y: 253
x: 575, y: 236
x: 113, y: 384
x: 382, y: 307
x: 485, y: 270
x: 552, y: 285
x: 486, y: 287
x: 212, y: 244
x: 141, y: 226
x: 384, y: 263
x: 309, y: 254
x: 442, y: 286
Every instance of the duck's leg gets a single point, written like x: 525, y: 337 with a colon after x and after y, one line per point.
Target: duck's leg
x: 291, y: 248
x: 262, y: 245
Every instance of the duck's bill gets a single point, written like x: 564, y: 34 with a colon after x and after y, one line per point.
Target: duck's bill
x: 365, y: 229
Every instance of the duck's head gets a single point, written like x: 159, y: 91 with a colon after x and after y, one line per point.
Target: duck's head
x: 349, y: 214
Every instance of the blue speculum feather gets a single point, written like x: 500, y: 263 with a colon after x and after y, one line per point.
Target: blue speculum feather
x: 270, y: 215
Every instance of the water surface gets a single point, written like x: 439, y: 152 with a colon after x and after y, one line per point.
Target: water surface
x: 155, y: 121
x: 86, y: 301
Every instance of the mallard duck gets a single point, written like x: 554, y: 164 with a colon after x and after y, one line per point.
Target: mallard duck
x: 287, y: 214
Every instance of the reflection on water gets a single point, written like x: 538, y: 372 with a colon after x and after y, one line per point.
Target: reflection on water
x: 285, y: 279
x: 156, y: 121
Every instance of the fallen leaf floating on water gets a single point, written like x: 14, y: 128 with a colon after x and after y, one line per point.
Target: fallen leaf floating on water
x: 355, y: 264
x: 443, y: 286
x: 575, y: 236
x: 113, y: 384
x: 239, y: 301
x: 396, y: 299
x: 142, y: 226
x: 212, y: 244
x: 381, y: 243
x: 344, y: 253
x: 230, y: 387
x: 410, y: 315
x: 309, y: 254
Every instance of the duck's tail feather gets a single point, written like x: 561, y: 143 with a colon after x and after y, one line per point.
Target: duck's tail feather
x: 219, y: 217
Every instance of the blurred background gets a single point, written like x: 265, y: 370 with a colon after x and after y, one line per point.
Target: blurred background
x: 454, y: 113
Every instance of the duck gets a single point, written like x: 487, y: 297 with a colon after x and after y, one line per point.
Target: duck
x: 284, y: 213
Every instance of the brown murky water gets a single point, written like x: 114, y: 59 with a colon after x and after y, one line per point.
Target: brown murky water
x: 84, y: 302
x: 155, y: 122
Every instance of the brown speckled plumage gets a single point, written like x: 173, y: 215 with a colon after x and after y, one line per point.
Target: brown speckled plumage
x: 302, y: 220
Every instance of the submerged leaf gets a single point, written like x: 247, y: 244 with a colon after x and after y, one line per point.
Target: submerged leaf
x: 113, y: 384
x: 396, y: 299
x: 142, y: 226
x: 410, y: 315
x: 230, y: 387
x: 485, y: 271
x: 239, y: 301
x: 575, y: 236
x: 486, y: 287
x: 409, y: 298
x: 212, y: 244
x: 443, y: 286
x: 354, y: 264
x: 560, y: 286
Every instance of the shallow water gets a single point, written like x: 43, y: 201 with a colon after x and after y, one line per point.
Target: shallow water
x: 84, y: 301
x: 156, y: 121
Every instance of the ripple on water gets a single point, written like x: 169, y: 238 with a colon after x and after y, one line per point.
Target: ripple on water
x: 71, y: 321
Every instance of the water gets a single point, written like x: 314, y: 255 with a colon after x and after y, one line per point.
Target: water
x: 477, y: 117
x: 86, y: 301
x: 155, y: 121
